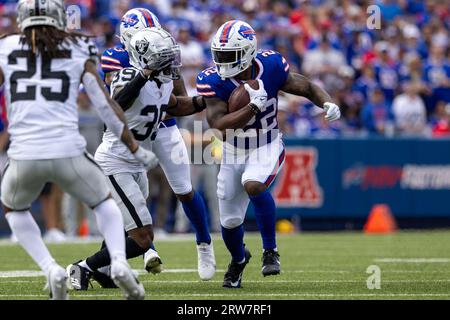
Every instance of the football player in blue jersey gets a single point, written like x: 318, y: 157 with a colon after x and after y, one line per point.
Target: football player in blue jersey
x: 177, y: 170
x: 255, y: 162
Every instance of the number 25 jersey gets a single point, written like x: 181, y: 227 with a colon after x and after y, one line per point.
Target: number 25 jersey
x: 41, y: 98
x: 143, y: 118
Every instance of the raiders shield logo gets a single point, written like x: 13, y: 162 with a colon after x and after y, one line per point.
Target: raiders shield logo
x: 142, y: 46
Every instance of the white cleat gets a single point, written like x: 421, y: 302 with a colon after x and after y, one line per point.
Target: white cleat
x: 57, y: 283
x: 152, y: 262
x: 206, y: 261
x: 126, y: 280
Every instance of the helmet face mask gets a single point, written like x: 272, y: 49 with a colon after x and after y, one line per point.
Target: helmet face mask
x: 41, y: 13
x: 134, y: 21
x: 155, y: 49
x: 233, y: 48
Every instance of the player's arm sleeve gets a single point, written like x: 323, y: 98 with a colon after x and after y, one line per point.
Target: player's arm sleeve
x: 126, y: 86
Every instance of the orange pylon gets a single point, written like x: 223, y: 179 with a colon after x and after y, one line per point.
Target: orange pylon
x: 380, y: 220
x: 83, y: 231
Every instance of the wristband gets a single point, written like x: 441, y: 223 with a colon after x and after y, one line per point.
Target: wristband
x: 254, y: 108
x: 198, y: 108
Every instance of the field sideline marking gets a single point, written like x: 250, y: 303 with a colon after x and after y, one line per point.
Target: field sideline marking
x: 36, y: 273
x: 413, y: 260
x: 324, y: 295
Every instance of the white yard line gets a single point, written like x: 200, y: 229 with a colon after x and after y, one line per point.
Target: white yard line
x: 413, y: 260
x: 362, y: 281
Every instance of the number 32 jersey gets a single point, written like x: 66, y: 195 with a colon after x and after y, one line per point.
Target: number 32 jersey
x: 41, y: 99
x: 272, y: 69
x: 143, y: 119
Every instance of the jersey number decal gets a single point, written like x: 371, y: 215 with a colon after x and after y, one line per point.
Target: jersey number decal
x: 155, y: 114
x: 47, y: 73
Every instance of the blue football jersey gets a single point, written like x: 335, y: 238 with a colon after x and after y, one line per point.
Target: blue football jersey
x: 115, y: 59
x: 273, y: 70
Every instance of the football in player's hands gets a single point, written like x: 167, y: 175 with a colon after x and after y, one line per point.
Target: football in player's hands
x: 240, y: 98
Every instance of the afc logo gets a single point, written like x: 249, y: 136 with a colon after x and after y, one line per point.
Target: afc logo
x: 298, y: 185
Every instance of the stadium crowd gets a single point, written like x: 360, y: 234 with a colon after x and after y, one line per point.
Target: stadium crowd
x: 393, y: 80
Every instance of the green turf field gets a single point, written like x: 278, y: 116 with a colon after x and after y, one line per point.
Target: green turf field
x: 414, y: 265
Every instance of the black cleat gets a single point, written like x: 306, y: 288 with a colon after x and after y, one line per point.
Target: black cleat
x: 103, y: 280
x: 270, y: 263
x: 79, y: 276
x: 233, y: 276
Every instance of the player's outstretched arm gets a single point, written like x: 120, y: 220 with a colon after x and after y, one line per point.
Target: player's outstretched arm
x: 113, y: 116
x: 185, y: 106
x: 301, y: 86
x: 179, y: 88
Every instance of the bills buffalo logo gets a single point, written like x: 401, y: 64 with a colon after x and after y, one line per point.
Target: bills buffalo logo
x: 130, y: 20
x: 298, y: 185
x: 142, y: 46
x: 247, y: 32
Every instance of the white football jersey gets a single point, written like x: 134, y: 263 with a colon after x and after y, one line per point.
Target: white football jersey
x: 41, y: 99
x: 143, y: 119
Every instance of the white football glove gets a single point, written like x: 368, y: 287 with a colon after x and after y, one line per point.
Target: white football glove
x: 332, y: 110
x: 147, y: 157
x: 257, y: 97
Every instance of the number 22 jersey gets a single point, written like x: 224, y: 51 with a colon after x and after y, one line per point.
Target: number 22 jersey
x: 143, y: 118
x: 41, y: 98
x: 273, y: 70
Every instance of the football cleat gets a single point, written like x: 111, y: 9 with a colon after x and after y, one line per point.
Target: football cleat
x: 78, y: 276
x: 57, y: 283
x: 152, y: 262
x: 206, y: 261
x: 126, y: 280
x: 270, y: 263
x: 233, y: 276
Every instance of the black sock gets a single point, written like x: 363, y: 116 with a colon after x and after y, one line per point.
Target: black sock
x: 101, y: 258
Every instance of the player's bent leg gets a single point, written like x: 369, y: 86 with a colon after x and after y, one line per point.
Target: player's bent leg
x: 260, y: 172
x: 21, y: 184
x: 232, y: 213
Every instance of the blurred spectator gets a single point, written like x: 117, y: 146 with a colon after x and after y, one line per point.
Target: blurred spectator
x: 386, y: 71
x: 191, y: 54
x: 441, y: 120
x: 376, y: 114
x: 410, y: 112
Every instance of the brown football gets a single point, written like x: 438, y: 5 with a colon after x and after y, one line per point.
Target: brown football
x: 239, y: 98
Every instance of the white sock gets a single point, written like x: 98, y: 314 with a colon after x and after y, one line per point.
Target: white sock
x: 110, y: 225
x: 27, y: 232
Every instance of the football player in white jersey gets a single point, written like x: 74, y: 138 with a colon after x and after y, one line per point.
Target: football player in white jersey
x: 177, y: 171
x: 42, y: 69
x: 145, y: 94
x: 168, y: 139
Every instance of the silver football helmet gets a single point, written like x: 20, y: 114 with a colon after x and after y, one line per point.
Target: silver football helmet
x: 156, y: 49
x: 41, y: 13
